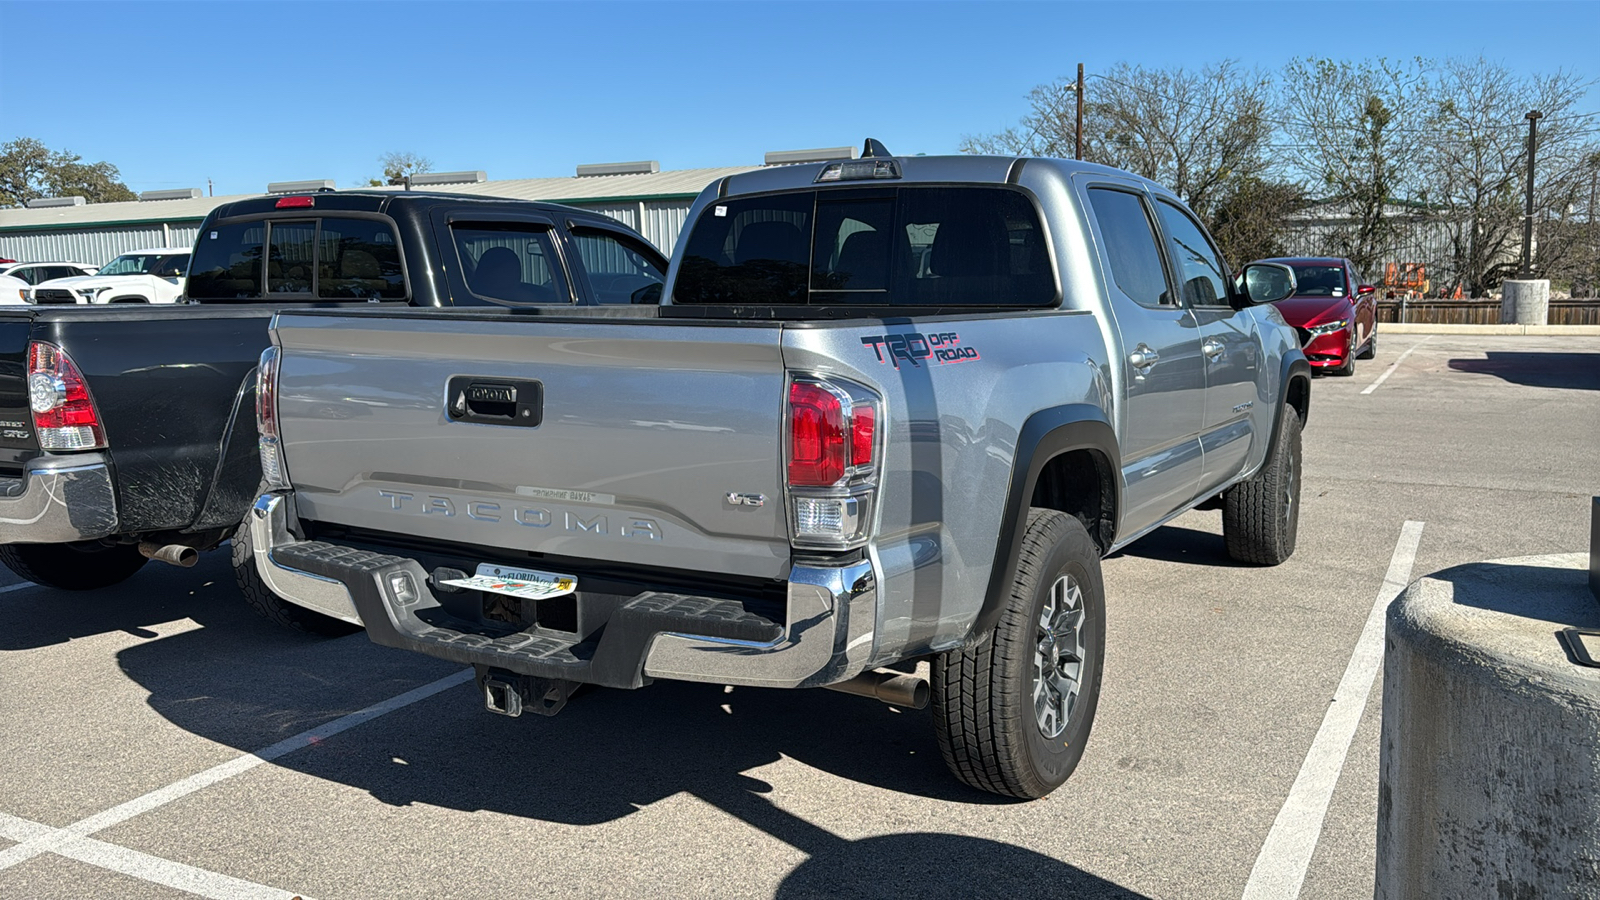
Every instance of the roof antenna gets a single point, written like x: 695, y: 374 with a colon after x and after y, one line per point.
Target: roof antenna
x: 874, y: 148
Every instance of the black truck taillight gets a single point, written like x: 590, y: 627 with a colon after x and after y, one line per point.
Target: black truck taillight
x: 832, y: 450
x: 64, y: 414
x: 267, y: 420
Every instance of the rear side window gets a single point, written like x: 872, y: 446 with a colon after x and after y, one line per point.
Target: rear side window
x: 510, y: 263
x: 227, y: 262
x: 358, y: 259
x: 619, y: 270
x: 1130, y: 245
x: 906, y: 246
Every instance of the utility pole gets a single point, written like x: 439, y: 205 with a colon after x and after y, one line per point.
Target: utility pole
x: 1527, y: 217
x: 1080, y: 112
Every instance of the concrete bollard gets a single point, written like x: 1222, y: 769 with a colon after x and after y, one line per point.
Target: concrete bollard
x: 1525, y: 302
x: 1489, y: 780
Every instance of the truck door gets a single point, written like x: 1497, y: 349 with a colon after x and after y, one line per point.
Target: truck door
x: 1161, y: 368
x: 1228, y: 346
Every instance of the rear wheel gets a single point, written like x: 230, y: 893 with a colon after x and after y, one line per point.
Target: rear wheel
x: 1013, y: 714
x: 70, y: 567
x: 269, y: 605
x: 1261, y: 517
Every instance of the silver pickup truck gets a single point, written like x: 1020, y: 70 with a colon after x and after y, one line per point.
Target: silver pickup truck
x: 887, y: 411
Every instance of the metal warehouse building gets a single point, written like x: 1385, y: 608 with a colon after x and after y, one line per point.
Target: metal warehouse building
x: 638, y: 194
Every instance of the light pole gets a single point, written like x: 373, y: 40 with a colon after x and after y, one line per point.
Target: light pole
x: 1527, y: 216
x: 1080, y: 113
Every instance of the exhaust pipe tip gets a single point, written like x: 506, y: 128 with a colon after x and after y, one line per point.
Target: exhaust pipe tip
x: 893, y: 688
x: 181, y: 555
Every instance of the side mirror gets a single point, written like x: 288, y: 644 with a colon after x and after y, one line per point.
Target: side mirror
x: 1268, y: 283
x: 1364, y: 289
x: 650, y: 294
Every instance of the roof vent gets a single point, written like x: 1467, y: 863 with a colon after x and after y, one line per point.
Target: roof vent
x: 46, y: 202
x: 822, y: 154
x: 426, y: 178
x: 644, y: 167
x: 300, y: 187
x: 183, y: 194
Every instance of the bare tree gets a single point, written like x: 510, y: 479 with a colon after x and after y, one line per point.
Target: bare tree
x: 398, y: 166
x: 1475, y: 164
x: 1350, y: 134
x: 1195, y: 131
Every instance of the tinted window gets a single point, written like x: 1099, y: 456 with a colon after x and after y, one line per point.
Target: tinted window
x: 227, y: 262
x: 749, y: 251
x: 173, y: 266
x: 619, y: 270
x: 1199, y: 267
x: 1319, y: 281
x: 132, y: 264
x: 291, y: 257
x: 873, y: 246
x: 1130, y: 244
x: 510, y: 263
x: 60, y: 272
x: 32, y: 274
x: 358, y: 259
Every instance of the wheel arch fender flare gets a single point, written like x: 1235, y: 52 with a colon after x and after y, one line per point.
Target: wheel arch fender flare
x: 1046, y: 435
x: 1295, y: 392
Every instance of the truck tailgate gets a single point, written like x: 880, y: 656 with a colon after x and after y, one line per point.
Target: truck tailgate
x: 647, y: 426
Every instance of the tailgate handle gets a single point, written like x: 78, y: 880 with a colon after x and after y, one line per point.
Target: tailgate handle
x: 495, y: 401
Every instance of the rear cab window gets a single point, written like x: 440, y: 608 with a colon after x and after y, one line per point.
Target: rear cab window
x: 871, y: 246
x: 322, y: 258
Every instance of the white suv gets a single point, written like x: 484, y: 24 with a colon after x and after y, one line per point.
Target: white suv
x: 139, y: 276
x: 17, y: 278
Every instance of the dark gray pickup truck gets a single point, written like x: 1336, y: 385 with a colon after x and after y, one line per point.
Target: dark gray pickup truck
x: 128, y: 432
x: 892, y: 410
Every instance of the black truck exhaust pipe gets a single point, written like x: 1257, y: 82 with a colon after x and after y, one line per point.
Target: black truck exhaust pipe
x: 893, y: 688
x: 180, y: 555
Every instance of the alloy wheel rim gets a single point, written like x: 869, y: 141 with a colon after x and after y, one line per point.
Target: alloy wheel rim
x: 1058, y: 657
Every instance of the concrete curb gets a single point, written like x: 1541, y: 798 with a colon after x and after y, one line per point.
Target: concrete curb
x: 1549, y: 330
x: 1489, y: 781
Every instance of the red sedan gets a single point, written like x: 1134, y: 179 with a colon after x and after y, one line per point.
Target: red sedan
x: 1334, y: 312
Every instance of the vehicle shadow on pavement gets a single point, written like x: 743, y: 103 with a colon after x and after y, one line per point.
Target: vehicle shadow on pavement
x: 246, y: 683
x: 1174, y: 543
x: 1573, y: 371
x: 43, y: 616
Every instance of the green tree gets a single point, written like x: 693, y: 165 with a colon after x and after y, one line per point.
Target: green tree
x: 1250, y: 221
x: 30, y: 170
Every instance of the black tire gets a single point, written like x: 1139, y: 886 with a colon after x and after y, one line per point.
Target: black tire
x: 984, y: 710
x: 270, y: 606
x: 1261, y: 517
x: 72, y: 568
x: 1371, y: 350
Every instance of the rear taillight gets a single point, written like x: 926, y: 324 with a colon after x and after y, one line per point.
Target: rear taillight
x: 832, y: 455
x: 64, y: 415
x: 267, y: 420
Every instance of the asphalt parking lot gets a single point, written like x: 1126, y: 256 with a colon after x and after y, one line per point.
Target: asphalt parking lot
x: 127, y: 716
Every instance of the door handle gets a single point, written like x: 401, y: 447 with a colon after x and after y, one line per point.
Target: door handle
x: 1212, y: 348
x: 1143, y: 357
x: 517, y: 402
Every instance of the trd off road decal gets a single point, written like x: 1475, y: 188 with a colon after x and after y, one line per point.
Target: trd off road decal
x: 940, y: 349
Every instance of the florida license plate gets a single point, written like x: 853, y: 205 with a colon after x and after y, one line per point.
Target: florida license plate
x: 528, y: 584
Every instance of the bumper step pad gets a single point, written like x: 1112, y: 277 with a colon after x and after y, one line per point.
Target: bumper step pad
x: 391, y: 595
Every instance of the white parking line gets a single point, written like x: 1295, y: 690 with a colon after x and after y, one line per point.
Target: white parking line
x: 60, y: 839
x: 1280, y: 869
x: 143, y: 866
x: 1395, y: 365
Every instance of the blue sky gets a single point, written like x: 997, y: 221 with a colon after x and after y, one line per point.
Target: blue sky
x: 246, y: 93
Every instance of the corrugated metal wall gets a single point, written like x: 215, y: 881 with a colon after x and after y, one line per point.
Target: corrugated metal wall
x: 663, y: 219
x: 96, y: 246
